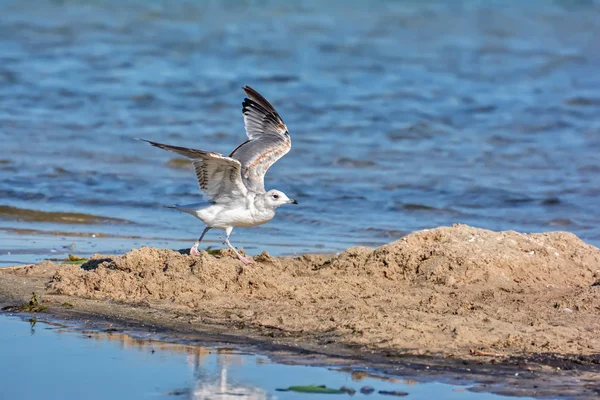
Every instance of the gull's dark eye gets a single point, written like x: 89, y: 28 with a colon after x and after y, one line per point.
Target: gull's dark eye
x: 275, y: 196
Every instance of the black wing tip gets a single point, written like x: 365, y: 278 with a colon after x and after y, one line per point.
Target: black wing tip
x: 248, y: 90
x: 163, y: 146
x: 246, y: 103
x: 146, y: 140
x: 253, y: 94
x: 257, y: 97
x: 249, y: 104
x: 156, y: 144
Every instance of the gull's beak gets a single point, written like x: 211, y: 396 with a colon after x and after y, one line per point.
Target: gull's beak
x: 292, y: 201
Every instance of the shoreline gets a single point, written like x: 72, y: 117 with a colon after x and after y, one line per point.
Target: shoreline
x: 535, y: 375
x: 429, y: 306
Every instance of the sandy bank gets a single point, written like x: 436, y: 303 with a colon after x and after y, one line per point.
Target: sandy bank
x: 451, y: 291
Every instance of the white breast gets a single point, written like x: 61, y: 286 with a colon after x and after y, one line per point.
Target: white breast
x: 217, y: 216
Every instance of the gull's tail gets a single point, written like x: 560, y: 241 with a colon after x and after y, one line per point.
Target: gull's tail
x: 188, y: 208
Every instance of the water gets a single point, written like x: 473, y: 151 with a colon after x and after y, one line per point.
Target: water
x: 66, y: 364
x: 403, y: 116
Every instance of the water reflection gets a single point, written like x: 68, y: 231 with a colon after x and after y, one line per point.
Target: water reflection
x: 211, y: 376
x: 69, y: 364
x: 207, y: 387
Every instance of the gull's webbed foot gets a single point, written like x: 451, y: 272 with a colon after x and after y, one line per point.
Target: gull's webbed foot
x: 194, y: 250
x: 246, y: 260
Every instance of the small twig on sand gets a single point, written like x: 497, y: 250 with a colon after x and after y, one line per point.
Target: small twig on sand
x: 475, y: 352
x: 14, y: 267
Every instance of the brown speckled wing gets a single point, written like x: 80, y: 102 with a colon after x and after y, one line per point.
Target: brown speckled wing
x: 219, y: 177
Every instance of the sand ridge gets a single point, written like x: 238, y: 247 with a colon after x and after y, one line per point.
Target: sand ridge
x: 444, y: 291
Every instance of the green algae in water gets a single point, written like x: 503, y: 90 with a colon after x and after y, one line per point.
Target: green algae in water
x: 32, y: 306
x: 322, y: 389
x: 393, y: 393
x: 75, y: 262
x: 72, y: 259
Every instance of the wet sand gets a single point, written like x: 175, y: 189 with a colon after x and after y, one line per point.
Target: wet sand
x: 23, y: 214
x: 461, y: 298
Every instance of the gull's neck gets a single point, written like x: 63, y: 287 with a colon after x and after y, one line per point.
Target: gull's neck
x: 261, y: 213
x: 259, y: 202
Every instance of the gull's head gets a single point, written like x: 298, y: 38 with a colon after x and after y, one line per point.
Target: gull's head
x: 275, y: 198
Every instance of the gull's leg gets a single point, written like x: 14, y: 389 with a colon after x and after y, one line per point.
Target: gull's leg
x: 245, y: 260
x: 194, y: 250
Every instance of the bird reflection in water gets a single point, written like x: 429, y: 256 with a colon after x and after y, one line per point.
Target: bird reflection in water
x: 215, y: 385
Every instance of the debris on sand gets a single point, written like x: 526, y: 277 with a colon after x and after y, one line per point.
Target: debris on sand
x: 32, y: 306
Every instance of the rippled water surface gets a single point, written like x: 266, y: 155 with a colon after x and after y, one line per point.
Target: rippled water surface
x: 403, y: 116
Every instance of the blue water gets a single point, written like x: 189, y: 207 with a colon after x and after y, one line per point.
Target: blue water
x: 404, y: 115
x: 43, y: 361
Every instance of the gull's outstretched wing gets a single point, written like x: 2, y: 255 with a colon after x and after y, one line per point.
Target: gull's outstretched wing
x: 268, y: 140
x: 218, y: 176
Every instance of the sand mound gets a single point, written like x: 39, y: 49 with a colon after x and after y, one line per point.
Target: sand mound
x: 161, y: 274
x: 467, y: 255
x: 442, y: 290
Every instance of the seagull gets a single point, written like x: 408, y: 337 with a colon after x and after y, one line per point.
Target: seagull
x: 233, y: 186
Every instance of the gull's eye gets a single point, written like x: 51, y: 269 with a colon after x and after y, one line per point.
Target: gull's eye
x: 275, y: 196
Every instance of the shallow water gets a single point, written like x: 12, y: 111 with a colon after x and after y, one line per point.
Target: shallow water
x: 67, y: 364
x: 403, y: 116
